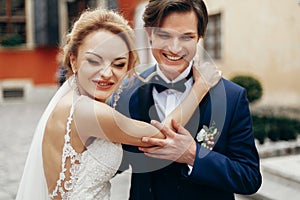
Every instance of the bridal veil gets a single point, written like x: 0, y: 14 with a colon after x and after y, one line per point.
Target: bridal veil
x: 33, y: 182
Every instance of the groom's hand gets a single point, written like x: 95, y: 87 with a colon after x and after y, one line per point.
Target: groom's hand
x: 178, y: 145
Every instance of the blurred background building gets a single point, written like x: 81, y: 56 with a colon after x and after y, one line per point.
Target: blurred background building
x: 256, y: 37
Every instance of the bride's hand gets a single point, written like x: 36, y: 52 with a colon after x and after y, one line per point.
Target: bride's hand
x: 205, y: 73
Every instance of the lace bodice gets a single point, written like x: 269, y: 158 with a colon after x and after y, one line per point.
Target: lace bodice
x: 90, y: 171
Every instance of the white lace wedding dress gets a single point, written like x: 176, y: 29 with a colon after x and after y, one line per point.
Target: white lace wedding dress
x: 90, y: 171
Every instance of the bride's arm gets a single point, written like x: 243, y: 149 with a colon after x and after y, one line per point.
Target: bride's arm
x: 186, y: 108
x: 205, y: 78
x: 93, y: 118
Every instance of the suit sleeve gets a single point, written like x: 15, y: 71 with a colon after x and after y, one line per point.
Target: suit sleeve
x: 236, y: 168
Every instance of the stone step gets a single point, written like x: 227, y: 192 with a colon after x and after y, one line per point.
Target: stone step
x: 281, y: 179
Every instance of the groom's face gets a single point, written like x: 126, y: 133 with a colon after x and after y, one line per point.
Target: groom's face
x: 174, y: 43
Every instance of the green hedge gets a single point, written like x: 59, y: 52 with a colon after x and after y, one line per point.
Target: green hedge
x: 272, y: 127
x: 252, y: 86
x: 275, y: 128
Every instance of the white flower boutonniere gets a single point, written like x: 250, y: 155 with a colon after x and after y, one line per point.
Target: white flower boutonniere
x: 207, y: 136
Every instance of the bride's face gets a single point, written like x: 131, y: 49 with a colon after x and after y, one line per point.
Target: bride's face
x: 101, y: 63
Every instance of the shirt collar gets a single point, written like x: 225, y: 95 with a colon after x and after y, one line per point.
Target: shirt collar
x: 181, y: 76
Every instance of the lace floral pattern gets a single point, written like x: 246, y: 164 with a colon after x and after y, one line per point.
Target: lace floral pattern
x: 90, y: 172
x: 99, y: 164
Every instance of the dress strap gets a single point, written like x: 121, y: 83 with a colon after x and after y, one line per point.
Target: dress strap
x: 75, y: 158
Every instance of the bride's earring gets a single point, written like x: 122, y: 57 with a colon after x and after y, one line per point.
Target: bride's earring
x: 117, y: 96
x: 75, y: 82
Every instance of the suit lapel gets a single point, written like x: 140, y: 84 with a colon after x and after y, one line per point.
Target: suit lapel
x: 146, y: 108
x: 146, y: 104
x: 200, y: 117
x: 211, y: 109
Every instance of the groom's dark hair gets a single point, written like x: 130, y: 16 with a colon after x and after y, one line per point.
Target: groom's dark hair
x: 157, y: 10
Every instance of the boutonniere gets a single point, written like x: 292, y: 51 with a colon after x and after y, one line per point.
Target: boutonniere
x: 208, y: 135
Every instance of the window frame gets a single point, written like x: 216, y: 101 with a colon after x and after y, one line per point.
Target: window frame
x: 215, y: 35
x: 9, y: 19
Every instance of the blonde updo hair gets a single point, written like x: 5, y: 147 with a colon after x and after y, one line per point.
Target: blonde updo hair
x: 94, y: 20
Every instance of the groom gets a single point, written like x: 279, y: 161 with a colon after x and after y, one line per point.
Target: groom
x: 180, y: 166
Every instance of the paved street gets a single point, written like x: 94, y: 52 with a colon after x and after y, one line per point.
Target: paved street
x: 18, y: 120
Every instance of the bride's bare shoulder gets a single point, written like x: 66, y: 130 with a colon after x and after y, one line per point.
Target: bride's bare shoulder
x: 60, y: 112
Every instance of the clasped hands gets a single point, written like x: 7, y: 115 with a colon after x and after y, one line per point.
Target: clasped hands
x: 178, y: 144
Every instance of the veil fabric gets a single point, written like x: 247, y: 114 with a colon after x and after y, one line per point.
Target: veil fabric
x: 33, y: 182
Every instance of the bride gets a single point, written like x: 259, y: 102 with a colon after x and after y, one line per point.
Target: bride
x: 76, y: 148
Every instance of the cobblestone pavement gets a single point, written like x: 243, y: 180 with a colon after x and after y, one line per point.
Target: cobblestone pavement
x: 18, y: 122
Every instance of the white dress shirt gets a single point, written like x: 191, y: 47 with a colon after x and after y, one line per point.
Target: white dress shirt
x: 166, y: 101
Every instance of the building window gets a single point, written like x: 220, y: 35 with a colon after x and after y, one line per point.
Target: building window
x: 212, y: 41
x: 12, y: 22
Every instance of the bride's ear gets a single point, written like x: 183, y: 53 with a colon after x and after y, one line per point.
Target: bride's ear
x: 73, y: 63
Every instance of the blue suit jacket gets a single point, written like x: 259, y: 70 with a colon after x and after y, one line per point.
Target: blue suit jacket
x: 231, y: 167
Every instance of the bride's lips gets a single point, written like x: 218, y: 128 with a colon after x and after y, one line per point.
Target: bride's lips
x: 103, y: 84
